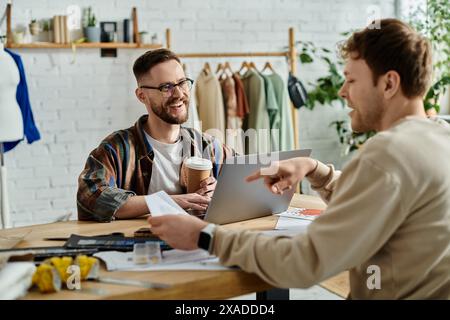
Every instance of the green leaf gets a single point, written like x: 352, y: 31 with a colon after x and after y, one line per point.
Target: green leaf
x: 305, y: 58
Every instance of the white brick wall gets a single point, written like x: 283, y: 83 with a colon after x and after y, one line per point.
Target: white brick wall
x: 76, y: 105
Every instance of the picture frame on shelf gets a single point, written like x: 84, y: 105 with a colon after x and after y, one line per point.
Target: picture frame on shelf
x: 108, y: 31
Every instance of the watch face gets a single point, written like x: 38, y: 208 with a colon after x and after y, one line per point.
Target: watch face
x: 204, y: 240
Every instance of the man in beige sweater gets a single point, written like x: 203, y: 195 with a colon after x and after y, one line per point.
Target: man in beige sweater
x: 388, y: 215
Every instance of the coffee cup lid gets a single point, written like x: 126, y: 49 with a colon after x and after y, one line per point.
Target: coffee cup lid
x: 197, y: 163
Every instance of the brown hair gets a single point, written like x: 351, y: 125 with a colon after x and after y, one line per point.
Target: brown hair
x: 148, y: 60
x: 393, y: 46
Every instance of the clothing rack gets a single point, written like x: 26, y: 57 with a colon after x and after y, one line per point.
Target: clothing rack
x: 291, y: 56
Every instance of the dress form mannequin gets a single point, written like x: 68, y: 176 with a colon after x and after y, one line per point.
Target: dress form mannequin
x: 11, y: 123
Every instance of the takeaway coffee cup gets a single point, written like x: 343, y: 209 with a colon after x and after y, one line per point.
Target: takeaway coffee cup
x: 197, y: 170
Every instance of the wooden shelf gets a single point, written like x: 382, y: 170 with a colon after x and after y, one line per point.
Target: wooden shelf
x: 96, y: 45
x: 101, y: 45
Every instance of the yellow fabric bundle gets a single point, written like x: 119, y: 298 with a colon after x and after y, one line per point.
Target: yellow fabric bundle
x: 50, y: 274
x: 61, y: 265
x: 89, y: 267
x: 47, y: 278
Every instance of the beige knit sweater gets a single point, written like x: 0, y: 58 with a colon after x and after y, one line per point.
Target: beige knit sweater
x: 387, y: 222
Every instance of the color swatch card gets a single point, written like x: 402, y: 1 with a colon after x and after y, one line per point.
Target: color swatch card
x: 301, y: 213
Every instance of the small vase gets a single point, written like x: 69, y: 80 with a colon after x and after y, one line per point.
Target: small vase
x: 18, y: 37
x: 45, y: 36
x: 34, y: 28
x: 92, y: 34
x: 145, y: 38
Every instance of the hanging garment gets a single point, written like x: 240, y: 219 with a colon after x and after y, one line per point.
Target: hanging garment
x: 286, y: 126
x: 233, y: 122
x: 258, y: 117
x: 193, y: 120
x: 241, y: 99
x: 31, y: 132
x: 273, y: 111
x: 210, y: 104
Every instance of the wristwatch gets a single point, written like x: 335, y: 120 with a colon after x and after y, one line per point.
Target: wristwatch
x: 205, y: 239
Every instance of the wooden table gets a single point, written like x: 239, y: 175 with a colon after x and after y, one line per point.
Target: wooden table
x: 183, y: 284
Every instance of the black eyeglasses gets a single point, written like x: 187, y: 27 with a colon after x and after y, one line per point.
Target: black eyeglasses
x: 168, y: 88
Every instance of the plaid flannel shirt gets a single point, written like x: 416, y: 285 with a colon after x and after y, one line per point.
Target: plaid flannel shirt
x: 121, y: 167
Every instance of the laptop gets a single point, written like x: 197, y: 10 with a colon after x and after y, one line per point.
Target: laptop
x: 235, y: 200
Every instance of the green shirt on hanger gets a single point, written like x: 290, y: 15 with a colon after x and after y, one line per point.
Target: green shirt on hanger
x: 258, y: 118
x: 286, y: 124
x: 273, y: 110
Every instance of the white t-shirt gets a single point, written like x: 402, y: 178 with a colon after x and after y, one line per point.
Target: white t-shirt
x: 166, y: 166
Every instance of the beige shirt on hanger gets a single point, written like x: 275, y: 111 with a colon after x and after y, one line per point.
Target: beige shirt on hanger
x: 210, y: 106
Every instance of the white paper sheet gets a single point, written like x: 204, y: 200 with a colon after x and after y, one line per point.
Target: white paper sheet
x: 285, y: 223
x: 15, y: 279
x: 160, y: 203
x: 171, y: 260
x: 288, y: 227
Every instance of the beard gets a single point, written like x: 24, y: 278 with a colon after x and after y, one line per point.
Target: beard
x: 369, y: 117
x: 162, y: 111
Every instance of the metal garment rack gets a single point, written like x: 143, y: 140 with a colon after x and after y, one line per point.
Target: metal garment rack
x: 291, y: 55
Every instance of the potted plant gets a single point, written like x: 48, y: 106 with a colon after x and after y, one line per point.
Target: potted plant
x: 155, y: 38
x: 432, y: 22
x: 46, y: 33
x: 91, y: 31
x: 34, y: 27
x: 145, y: 37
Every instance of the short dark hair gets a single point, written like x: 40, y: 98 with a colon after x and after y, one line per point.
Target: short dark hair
x: 393, y: 46
x: 151, y: 58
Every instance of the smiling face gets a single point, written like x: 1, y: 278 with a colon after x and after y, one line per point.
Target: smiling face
x: 172, y: 109
x: 365, y: 98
